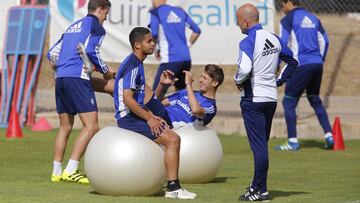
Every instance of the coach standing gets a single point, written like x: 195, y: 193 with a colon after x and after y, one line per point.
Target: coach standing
x: 256, y: 77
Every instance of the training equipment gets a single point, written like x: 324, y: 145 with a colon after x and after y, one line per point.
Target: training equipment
x: 122, y: 162
x: 22, y: 54
x: 288, y: 146
x: 75, y: 177
x: 89, y: 68
x: 337, y: 134
x: 180, y: 194
x: 201, y: 154
x: 41, y: 125
x: 14, y: 130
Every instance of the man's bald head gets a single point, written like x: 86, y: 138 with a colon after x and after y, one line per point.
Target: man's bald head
x: 249, y: 12
x: 247, y: 15
x: 157, y: 3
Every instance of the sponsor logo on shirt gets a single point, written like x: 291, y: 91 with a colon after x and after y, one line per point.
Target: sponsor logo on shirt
x: 184, y: 106
x: 173, y: 18
x: 307, y: 23
x: 269, y: 48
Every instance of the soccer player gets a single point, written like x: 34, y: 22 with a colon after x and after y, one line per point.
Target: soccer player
x: 310, y: 43
x: 258, y: 60
x: 168, y: 25
x: 74, y: 92
x: 189, y: 107
x: 131, y: 113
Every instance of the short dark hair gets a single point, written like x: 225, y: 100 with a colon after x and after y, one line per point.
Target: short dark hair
x: 215, y: 72
x: 137, y: 35
x: 294, y: 2
x: 94, y: 4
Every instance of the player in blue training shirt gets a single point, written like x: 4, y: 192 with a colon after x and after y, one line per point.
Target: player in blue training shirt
x: 258, y: 60
x: 189, y: 107
x: 168, y: 25
x: 131, y: 113
x: 309, y: 42
x: 74, y: 91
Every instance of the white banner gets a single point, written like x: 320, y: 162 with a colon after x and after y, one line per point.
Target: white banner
x: 218, y: 42
x: 4, y: 6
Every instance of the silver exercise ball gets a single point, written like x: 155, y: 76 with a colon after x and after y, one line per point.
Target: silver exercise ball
x: 122, y: 162
x: 201, y: 154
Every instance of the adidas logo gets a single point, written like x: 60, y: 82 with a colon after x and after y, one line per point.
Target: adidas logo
x: 75, y: 28
x: 173, y: 18
x: 269, y: 48
x: 307, y: 23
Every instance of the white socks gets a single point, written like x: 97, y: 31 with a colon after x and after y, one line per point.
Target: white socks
x: 57, y: 168
x: 328, y: 134
x: 72, y: 166
x: 293, y: 140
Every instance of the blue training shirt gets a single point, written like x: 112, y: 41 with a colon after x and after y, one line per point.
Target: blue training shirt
x: 180, y: 113
x: 130, y: 75
x: 168, y: 24
x: 88, y: 31
x: 306, y: 36
x: 259, y: 54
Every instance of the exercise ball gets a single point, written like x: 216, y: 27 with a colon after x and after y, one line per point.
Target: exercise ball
x: 122, y: 162
x: 201, y: 154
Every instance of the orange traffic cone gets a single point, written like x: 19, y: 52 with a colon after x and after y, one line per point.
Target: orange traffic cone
x: 337, y: 135
x: 13, y: 130
x: 42, y: 125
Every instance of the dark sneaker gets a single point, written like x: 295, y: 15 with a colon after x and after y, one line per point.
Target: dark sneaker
x: 254, y: 195
x: 329, y: 142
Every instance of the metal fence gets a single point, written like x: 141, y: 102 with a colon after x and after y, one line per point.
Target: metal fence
x: 328, y: 6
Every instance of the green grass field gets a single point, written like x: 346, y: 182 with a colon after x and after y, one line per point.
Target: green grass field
x: 310, y: 175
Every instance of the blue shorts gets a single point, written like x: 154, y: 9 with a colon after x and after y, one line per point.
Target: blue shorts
x: 135, y: 123
x: 74, y: 95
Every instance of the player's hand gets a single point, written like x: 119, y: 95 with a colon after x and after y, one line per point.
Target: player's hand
x: 167, y: 77
x: 156, y: 125
x: 109, y: 75
x: 52, y: 61
x: 240, y: 87
x: 188, y: 77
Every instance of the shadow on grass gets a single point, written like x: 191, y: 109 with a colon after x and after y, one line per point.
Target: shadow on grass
x: 221, y: 179
x: 158, y: 194
x: 277, y: 193
x: 312, y: 144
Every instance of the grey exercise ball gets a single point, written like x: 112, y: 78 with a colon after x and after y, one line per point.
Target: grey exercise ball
x: 201, y: 154
x: 122, y: 162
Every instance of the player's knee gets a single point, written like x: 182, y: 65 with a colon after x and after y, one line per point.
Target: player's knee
x: 289, y: 102
x: 314, y: 100
x: 173, y: 138
x: 66, y: 128
x: 91, y: 129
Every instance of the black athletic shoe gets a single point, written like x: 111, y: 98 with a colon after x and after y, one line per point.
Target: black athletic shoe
x: 254, y: 195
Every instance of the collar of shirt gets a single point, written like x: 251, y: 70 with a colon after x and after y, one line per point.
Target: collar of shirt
x: 93, y: 16
x: 254, y: 28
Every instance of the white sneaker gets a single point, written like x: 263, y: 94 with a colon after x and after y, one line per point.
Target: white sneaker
x: 180, y: 194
